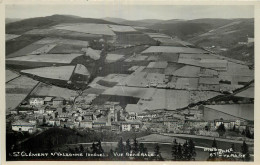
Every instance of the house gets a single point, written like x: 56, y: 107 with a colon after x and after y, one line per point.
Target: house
x: 23, y: 126
x: 32, y: 121
x: 36, y: 101
x: 48, y: 100
x: 98, y: 124
x: 85, y: 124
x: 58, y: 101
x: 130, y: 125
x: 227, y: 123
x: 197, y: 124
x: 14, y: 111
x: 115, y: 127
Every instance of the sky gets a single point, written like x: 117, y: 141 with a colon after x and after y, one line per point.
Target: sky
x: 132, y: 12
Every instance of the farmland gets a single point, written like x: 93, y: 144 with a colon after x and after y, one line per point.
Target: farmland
x: 113, y: 57
x: 11, y: 36
x: 87, y: 28
x: 9, y: 75
x: 127, y: 79
x: 59, y: 73
x: 54, y: 91
x: 48, y: 58
x: 17, y: 90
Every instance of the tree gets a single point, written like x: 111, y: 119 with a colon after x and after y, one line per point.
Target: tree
x: 191, y: 147
x: 245, y: 151
x: 111, y: 154
x: 221, y: 129
x: 142, y: 149
x: 157, y: 153
x: 81, y: 148
x: 214, y: 144
x: 247, y: 133
x: 175, y: 150
x: 213, y: 154
x: 179, y: 152
x: 185, y: 151
x: 234, y: 128
x: 128, y: 147
x: 94, y: 148
x: 135, y: 146
x: 120, y: 146
x: 99, y: 148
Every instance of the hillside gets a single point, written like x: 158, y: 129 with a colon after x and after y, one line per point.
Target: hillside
x: 22, y: 26
x: 10, y: 20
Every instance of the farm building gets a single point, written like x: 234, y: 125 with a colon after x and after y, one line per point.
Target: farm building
x: 228, y: 112
x: 23, y: 126
x: 58, y: 101
x: 48, y: 100
x: 36, y: 101
x: 220, y: 65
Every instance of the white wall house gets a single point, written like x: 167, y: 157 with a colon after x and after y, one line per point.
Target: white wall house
x: 23, y: 126
x: 36, y: 101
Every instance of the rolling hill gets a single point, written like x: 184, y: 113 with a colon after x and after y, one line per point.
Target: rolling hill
x: 25, y: 25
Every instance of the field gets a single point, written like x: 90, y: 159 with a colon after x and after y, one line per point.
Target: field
x: 136, y: 58
x: 43, y: 50
x: 49, y: 90
x: 13, y: 100
x: 167, y: 42
x: 134, y: 39
x: 113, y: 57
x: 22, y: 82
x: 187, y: 83
x: 158, y: 35
x: 123, y: 100
x: 168, y: 49
x: 63, y: 33
x: 115, y: 77
x: 196, y: 96
x: 126, y: 91
x: 49, y: 40
x: 17, y: 90
x: 11, y: 36
x: 48, y: 58
x: 87, y: 28
x: 19, y: 43
x: 198, y: 56
x: 249, y: 93
x: 245, y: 111
x: 187, y: 71
x: 96, y: 91
x: 66, y: 49
x: 118, y: 28
x: 130, y: 50
x: 59, y: 73
x: 9, y: 75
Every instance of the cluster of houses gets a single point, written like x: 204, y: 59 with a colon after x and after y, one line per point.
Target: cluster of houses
x: 58, y: 112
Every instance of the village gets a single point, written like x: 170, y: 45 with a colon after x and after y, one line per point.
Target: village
x: 98, y: 78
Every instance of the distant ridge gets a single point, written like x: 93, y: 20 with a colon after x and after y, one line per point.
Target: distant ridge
x: 22, y: 26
